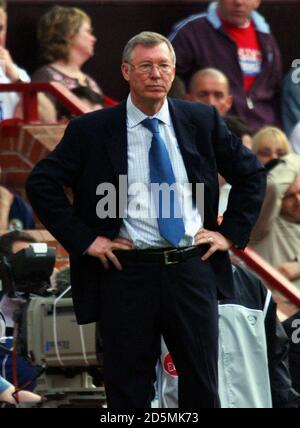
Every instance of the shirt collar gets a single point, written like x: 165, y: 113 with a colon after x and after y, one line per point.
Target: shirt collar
x: 258, y: 20
x: 135, y: 116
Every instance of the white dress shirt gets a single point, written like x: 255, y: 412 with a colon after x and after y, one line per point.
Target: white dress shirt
x: 9, y: 100
x: 142, y: 228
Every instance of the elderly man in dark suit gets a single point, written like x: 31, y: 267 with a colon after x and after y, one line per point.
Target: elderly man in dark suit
x: 137, y: 268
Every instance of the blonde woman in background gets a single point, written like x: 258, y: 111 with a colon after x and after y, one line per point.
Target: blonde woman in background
x: 270, y: 144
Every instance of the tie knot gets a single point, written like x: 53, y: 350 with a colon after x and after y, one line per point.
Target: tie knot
x: 151, y: 124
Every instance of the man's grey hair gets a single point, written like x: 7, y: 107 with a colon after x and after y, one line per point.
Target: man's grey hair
x: 147, y: 39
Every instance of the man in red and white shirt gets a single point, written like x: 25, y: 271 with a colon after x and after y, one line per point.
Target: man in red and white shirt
x: 237, y: 24
x: 235, y: 39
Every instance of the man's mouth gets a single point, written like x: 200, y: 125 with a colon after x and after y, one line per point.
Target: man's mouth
x: 156, y: 87
x: 238, y: 13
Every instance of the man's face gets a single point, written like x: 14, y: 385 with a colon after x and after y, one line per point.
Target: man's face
x: 3, y: 27
x: 237, y: 12
x: 290, y: 208
x: 150, y: 74
x: 19, y: 245
x: 212, y: 91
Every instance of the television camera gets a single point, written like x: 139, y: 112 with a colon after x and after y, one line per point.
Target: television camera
x: 47, y: 331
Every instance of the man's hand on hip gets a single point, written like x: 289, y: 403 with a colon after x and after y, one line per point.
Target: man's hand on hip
x: 216, y: 240
x: 103, y: 249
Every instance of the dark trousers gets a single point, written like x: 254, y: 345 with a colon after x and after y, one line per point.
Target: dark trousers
x: 146, y: 300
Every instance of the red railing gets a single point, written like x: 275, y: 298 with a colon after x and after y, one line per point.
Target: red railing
x: 269, y: 274
x: 29, y: 93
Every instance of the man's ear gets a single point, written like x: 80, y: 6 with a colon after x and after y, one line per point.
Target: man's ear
x: 125, y: 68
x: 229, y: 101
x: 174, y: 73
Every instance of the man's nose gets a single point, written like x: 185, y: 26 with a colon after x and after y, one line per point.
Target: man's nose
x: 298, y: 198
x: 155, y: 71
x: 211, y: 100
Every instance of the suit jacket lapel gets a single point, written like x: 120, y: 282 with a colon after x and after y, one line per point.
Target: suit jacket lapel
x: 117, y: 142
x: 186, y: 137
x: 185, y: 132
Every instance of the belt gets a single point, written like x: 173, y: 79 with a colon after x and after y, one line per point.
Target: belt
x: 166, y: 256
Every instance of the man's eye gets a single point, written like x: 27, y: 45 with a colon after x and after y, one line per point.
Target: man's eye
x: 145, y: 67
x: 165, y: 67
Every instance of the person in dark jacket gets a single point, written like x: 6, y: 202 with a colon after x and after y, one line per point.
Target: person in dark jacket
x: 232, y: 37
x: 253, y: 352
x: 136, y: 271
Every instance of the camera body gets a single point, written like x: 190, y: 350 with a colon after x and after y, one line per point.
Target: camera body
x: 53, y: 336
x: 27, y: 271
x: 47, y: 330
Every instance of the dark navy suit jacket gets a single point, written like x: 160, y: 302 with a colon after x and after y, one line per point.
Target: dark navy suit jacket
x: 94, y: 150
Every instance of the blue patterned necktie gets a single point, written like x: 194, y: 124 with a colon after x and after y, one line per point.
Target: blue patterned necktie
x: 171, y: 226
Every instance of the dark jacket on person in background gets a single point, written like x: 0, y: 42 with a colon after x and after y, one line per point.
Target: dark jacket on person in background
x: 253, y: 352
x: 200, y: 41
